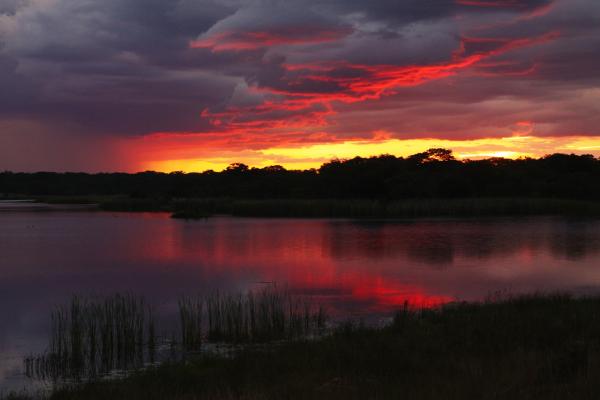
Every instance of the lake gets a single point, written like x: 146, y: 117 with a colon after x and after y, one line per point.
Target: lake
x: 362, y: 269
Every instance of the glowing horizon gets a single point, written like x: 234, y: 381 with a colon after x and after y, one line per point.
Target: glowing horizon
x: 314, y: 155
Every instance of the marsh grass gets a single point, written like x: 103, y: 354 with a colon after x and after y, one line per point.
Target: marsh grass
x: 190, y: 315
x: 528, y: 347
x: 90, y: 338
x: 128, y: 204
x: 262, y: 316
x: 408, y: 208
x: 266, y: 315
x: 16, y: 395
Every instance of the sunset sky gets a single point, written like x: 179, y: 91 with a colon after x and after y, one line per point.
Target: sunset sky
x: 131, y: 85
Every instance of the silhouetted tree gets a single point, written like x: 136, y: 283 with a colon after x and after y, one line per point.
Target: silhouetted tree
x: 433, y: 173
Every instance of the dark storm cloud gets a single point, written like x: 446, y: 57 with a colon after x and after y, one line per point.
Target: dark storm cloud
x: 98, y: 64
x: 575, y: 57
x: 16, y: 91
x: 411, y: 11
x: 93, y: 28
x: 131, y: 67
x: 102, y: 63
x: 9, y: 7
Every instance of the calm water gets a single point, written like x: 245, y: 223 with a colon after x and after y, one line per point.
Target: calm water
x: 355, y: 268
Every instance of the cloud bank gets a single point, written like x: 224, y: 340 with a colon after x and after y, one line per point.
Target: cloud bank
x: 92, y: 84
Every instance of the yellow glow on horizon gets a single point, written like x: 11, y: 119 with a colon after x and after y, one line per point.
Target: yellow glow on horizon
x: 312, y: 156
x: 498, y: 154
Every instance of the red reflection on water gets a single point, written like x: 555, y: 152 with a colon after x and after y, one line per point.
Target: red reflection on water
x: 395, y: 296
x: 348, y: 268
x: 358, y: 268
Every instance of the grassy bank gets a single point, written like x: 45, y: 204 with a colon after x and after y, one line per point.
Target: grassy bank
x: 523, y: 348
x: 198, y: 208
x: 412, y: 208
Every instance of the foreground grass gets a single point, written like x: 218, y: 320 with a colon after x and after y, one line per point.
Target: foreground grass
x: 523, y: 348
x: 93, y: 337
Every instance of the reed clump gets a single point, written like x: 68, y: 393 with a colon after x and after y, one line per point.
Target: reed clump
x: 91, y: 337
x: 262, y: 316
x: 259, y: 316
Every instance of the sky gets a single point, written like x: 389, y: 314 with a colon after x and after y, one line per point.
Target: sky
x: 190, y: 85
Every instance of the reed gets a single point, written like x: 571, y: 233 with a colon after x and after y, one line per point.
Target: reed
x: 266, y: 315
x: 91, y: 338
x: 190, y: 315
x: 261, y: 316
x: 94, y: 337
x: 527, y: 347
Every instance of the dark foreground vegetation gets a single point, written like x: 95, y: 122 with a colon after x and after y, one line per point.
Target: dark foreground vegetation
x: 536, y: 347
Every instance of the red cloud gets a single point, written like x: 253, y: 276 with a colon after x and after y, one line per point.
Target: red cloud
x: 303, y: 98
x: 286, y: 114
x: 242, y: 41
x: 540, y: 11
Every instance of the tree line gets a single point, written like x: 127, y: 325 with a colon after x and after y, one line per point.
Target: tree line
x: 435, y: 173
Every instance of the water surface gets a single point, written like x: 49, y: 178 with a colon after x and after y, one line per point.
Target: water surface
x: 359, y: 268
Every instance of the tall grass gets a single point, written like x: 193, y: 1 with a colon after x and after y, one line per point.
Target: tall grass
x: 527, y: 347
x: 408, y: 208
x: 190, y: 315
x: 91, y: 338
x: 94, y: 337
x: 266, y: 315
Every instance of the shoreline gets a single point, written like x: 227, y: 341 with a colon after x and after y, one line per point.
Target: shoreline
x: 201, y: 208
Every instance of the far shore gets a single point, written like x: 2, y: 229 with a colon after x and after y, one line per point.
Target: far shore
x: 200, y: 208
